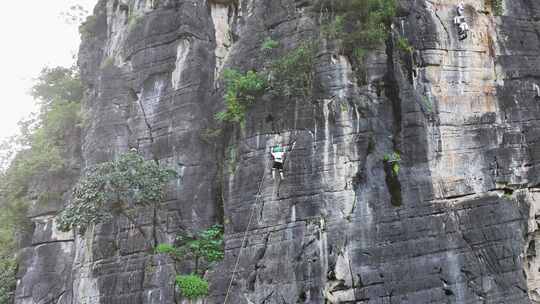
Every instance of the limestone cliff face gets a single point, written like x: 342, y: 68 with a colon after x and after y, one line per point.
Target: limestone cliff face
x: 457, y: 225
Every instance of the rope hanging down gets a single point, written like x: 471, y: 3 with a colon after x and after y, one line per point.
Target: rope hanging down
x: 249, y: 222
x: 246, y: 232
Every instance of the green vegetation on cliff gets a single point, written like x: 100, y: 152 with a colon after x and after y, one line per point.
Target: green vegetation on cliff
x: 37, y: 152
x: 293, y: 74
x: 114, y: 188
x: 241, y: 92
x: 192, y: 286
x: 290, y: 76
x: 497, y: 6
x: 203, y: 249
x: 357, y: 26
x: 394, y: 160
x: 357, y: 23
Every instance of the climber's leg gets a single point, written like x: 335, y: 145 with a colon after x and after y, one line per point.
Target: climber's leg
x: 536, y: 89
x: 277, y: 166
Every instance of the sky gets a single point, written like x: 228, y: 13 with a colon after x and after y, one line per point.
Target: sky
x: 34, y: 35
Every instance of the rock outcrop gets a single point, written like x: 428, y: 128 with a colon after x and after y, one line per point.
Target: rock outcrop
x: 457, y: 224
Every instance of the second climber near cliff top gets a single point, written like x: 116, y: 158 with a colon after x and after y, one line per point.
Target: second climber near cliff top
x: 278, y: 155
x: 460, y: 22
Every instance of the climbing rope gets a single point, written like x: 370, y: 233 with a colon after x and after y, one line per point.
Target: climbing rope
x: 246, y: 232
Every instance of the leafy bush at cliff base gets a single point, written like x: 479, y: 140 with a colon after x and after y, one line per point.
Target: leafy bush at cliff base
x: 241, y: 92
x: 192, y: 286
x: 111, y: 187
x: 292, y: 75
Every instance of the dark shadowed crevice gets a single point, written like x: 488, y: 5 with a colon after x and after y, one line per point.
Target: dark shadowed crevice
x: 392, y: 93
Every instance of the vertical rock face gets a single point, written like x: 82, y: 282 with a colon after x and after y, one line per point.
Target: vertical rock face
x: 457, y: 224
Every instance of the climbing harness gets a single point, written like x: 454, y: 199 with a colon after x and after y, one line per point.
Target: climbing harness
x: 245, y: 234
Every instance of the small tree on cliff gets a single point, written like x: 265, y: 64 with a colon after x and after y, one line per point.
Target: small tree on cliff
x: 204, y: 249
x: 114, y: 188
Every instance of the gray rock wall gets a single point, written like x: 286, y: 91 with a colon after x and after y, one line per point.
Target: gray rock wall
x: 457, y: 225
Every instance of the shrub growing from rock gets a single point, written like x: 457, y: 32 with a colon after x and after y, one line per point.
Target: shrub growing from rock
x: 357, y: 24
x: 204, y: 249
x: 192, y: 286
x: 394, y: 159
x: 112, y: 188
x: 293, y: 74
x: 242, y: 89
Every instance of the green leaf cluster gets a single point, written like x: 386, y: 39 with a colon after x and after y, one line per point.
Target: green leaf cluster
x: 269, y: 44
x: 498, y: 8
x: 394, y: 159
x: 8, y: 282
x: 192, y: 286
x: 11, y: 219
x: 357, y: 25
x: 112, y: 187
x: 89, y: 27
x: 206, y: 247
x: 203, y: 248
x: 242, y: 89
x: 133, y: 20
x: 58, y: 83
x: 165, y: 248
x: 37, y: 152
x: 42, y: 142
x: 358, y: 22
x: 292, y: 75
x: 404, y: 45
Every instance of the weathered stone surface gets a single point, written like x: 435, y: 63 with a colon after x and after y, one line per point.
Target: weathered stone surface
x: 457, y: 225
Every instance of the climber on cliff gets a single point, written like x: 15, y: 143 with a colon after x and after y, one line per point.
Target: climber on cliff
x: 460, y: 22
x: 536, y: 89
x: 278, y: 155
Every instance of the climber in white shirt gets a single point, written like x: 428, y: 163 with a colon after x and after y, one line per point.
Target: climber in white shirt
x: 461, y: 22
x: 536, y: 89
x: 278, y: 155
